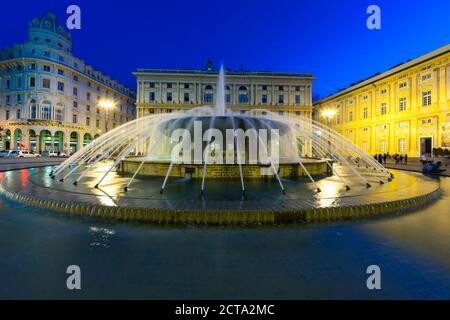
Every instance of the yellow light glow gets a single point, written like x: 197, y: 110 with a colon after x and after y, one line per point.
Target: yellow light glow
x: 329, y: 113
x: 106, y: 104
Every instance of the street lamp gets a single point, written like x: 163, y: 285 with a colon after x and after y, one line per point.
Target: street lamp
x: 106, y: 104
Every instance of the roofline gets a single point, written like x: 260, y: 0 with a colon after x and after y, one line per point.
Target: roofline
x: 399, y: 68
x: 196, y: 72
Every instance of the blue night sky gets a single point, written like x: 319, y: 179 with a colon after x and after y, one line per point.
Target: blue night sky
x: 327, y: 38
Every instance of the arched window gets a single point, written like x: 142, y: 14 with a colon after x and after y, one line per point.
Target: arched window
x: 242, y: 88
x: 227, y: 88
x: 208, y: 87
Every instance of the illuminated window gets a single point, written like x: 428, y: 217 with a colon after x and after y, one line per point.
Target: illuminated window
x: 402, y: 104
x: 426, y: 98
x: 401, y: 145
x: 383, y: 109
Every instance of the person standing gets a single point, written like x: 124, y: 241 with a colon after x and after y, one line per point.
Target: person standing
x: 406, y: 158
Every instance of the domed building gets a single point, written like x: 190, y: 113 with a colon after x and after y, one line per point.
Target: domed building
x: 52, y: 100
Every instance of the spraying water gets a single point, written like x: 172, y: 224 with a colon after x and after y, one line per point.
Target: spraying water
x: 220, y: 99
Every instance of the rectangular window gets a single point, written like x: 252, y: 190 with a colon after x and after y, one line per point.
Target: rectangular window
x: 152, y: 96
x: 350, y: 116
x: 186, y: 97
x: 88, y: 121
x: 208, y: 98
x: 280, y: 88
x: 383, y: 109
x: 151, y: 85
x: 401, y: 145
x: 382, y: 145
x: 33, y: 66
x: 74, y: 118
x: 88, y: 96
x: 264, y: 88
x: 32, y: 82
x: 365, y: 113
x: 75, y: 91
x: 88, y: 108
x: 8, y: 84
x: 264, y: 98
x: 297, y: 88
x: 402, y: 104
x: 243, y: 98
x: 228, y: 98
x: 46, y: 83
x: 47, y: 68
x: 19, y: 82
x: 169, y: 86
x: 186, y: 86
x: 46, y: 54
x: 61, y: 86
x: 75, y: 104
x: 60, y: 72
x: 97, y: 123
x: 7, y: 115
x: 338, y: 119
x: 281, y: 99
x: 297, y: 99
x: 169, y: 96
x: 426, y: 98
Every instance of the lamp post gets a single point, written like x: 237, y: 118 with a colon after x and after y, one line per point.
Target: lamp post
x: 106, y: 104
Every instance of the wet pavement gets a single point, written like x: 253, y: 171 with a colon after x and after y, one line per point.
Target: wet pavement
x: 123, y: 260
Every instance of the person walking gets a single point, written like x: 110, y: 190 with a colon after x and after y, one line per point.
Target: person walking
x: 406, y: 158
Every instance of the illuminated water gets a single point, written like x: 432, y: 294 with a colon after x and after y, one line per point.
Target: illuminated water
x: 152, y: 261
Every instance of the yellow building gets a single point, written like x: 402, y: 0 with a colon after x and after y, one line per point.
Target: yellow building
x: 403, y: 110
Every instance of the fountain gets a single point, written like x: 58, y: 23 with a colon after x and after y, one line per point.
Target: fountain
x: 212, y: 165
x: 212, y: 142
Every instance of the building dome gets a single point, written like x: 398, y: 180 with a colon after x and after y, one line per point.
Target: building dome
x: 48, y: 31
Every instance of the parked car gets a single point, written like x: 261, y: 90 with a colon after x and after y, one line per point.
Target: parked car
x: 15, y: 154
x: 29, y: 154
x: 53, y: 153
x: 5, y: 153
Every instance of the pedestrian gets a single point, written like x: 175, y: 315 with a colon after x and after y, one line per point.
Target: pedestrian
x: 384, y: 158
x: 400, y: 159
x: 406, y: 158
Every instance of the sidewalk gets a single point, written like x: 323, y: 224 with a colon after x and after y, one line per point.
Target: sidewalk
x: 413, y: 165
x: 26, y: 163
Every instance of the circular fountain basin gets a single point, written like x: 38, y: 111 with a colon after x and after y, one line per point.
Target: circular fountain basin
x: 223, y: 201
x: 287, y: 169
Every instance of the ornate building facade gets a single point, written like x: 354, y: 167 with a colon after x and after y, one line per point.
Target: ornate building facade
x: 51, y: 100
x: 403, y: 110
x: 165, y: 91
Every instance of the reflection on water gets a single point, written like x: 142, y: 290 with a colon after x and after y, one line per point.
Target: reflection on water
x: 158, y: 261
